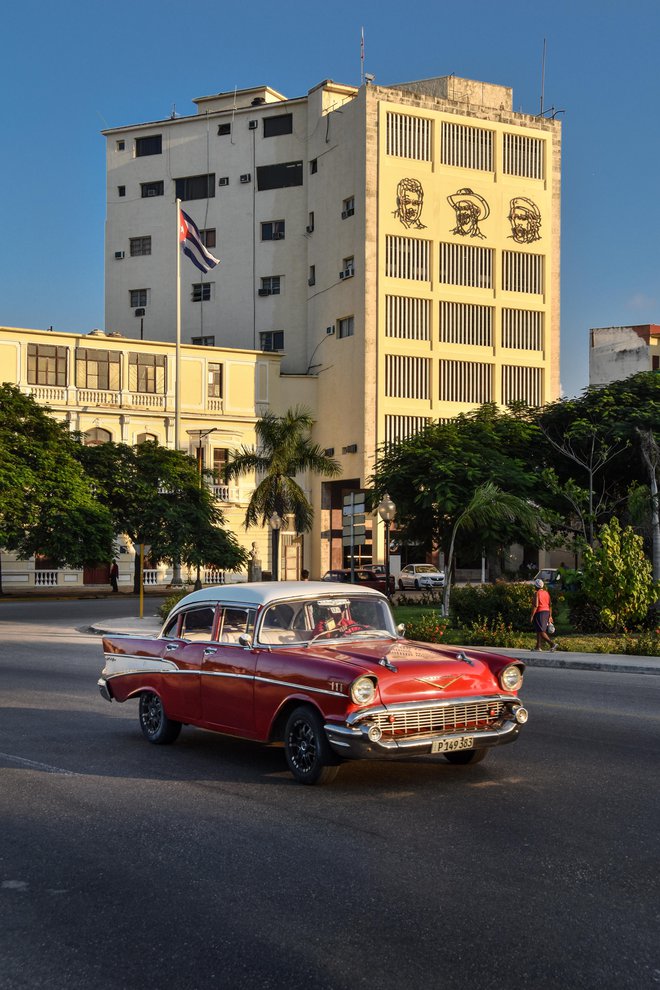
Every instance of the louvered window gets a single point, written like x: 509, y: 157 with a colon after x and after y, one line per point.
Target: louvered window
x: 522, y: 329
x: 409, y: 137
x: 398, y: 428
x: 407, y: 257
x: 523, y: 156
x: 407, y: 318
x: 466, y: 381
x: 467, y: 147
x: 521, y: 385
x: 464, y: 265
x: 464, y: 323
x: 522, y: 272
x: 406, y: 377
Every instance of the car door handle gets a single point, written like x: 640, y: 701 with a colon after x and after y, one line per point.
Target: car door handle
x: 210, y: 650
x: 172, y: 646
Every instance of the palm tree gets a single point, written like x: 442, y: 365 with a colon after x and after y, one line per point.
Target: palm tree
x: 283, y: 449
x: 488, y: 506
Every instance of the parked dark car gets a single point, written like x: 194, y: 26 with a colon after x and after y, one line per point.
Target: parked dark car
x: 363, y: 576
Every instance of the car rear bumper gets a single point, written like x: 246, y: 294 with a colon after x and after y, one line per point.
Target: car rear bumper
x: 104, y: 689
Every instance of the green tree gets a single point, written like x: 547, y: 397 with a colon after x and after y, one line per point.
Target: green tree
x: 155, y: 497
x: 618, y: 577
x: 488, y: 507
x: 48, y: 505
x: 284, y: 448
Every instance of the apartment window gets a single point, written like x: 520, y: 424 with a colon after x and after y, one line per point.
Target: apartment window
x: 195, y: 186
x: 346, y: 326
x: 523, y: 156
x: 310, y: 222
x: 313, y: 166
x: 224, y: 129
x: 466, y: 381
x: 152, y: 145
x: 140, y: 246
x: 273, y: 230
x: 279, y: 176
x: 464, y: 323
x: 201, y: 291
x: 348, y: 267
x: 208, y: 237
x: 97, y: 436
x: 147, y: 373
x: 407, y: 257
x: 521, y: 385
x: 407, y: 318
x: 399, y: 428
x: 98, y: 369
x: 467, y: 147
x: 46, y: 364
x: 463, y: 265
x: 409, y: 137
x: 206, y: 341
x: 120, y: 145
x: 407, y: 377
x: 311, y: 280
x: 271, y: 340
x: 152, y: 189
x: 271, y: 285
x: 215, y: 381
x: 139, y: 298
x: 522, y: 272
x: 220, y: 459
x: 121, y: 190
x: 348, y: 207
x: 522, y: 329
x: 282, y: 124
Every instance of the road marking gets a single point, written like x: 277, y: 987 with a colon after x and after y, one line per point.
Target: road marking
x: 39, y: 766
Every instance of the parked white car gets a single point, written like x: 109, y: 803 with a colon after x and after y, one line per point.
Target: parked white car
x: 421, y: 577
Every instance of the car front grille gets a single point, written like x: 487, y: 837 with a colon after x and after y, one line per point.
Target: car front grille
x: 464, y: 716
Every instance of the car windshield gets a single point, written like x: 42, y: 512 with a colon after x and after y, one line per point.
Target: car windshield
x: 427, y: 569
x: 300, y: 622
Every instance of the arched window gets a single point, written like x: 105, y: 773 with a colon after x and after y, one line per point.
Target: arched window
x: 96, y: 436
x: 144, y: 437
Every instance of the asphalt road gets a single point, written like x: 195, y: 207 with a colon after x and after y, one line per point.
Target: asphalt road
x: 203, y: 865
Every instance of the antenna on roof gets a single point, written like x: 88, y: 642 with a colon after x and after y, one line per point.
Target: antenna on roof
x: 174, y: 113
x: 542, y: 79
x: 361, y: 56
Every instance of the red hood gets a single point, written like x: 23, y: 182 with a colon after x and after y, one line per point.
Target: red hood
x: 424, y: 671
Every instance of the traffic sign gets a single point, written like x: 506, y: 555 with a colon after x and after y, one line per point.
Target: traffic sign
x: 354, y: 541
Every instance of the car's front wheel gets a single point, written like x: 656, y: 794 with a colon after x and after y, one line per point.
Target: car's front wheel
x: 155, y: 725
x: 400, y: 585
x: 416, y: 585
x: 306, y: 747
x: 465, y: 756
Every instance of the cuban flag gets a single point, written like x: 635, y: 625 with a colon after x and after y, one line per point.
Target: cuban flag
x: 191, y: 239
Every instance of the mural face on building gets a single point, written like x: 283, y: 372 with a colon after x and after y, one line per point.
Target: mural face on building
x: 409, y: 203
x: 525, y: 220
x: 470, y: 209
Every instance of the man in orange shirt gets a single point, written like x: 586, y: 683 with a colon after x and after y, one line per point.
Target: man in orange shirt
x: 541, y: 616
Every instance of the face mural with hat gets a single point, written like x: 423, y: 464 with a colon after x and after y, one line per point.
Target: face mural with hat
x: 525, y: 220
x: 470, y: 209
x: 409, y: 203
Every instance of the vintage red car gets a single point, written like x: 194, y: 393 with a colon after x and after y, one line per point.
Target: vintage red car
x: 324, y: 670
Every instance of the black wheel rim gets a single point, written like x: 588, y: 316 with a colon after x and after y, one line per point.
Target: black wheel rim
x: 303, y: 746
x: 151, y: 713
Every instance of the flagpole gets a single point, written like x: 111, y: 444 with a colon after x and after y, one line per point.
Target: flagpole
x: 177, y: 357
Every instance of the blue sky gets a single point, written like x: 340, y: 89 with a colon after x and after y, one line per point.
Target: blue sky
x: 70, y: 69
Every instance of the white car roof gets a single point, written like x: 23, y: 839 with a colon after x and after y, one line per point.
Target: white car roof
x: 264, y: 592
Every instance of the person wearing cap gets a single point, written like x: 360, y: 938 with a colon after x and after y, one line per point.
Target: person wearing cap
x: 470, y: 209
x: 525, y: 220
x: 541, y: 616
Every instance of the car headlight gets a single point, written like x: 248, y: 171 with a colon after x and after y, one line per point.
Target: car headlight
x: 363, y: 691
x: 511, y: 678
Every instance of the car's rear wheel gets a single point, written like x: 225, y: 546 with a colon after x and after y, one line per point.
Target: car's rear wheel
x: 400, y: 585
x: 465, y: 756
x: 306, y: 747
x: 155, y: 725
x: 416, y: 585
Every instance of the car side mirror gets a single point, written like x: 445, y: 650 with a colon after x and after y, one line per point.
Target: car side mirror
x: 245, y: 641
x: 401, y: 629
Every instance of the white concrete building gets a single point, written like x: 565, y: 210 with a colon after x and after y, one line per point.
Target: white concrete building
x: 619, y: 352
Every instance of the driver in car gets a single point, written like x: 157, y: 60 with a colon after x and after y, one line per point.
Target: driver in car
x: 335, y: 618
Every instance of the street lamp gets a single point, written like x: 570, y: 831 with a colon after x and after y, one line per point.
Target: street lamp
x: 387, y: 512
x: 203, y: 434
x: 275, y: 524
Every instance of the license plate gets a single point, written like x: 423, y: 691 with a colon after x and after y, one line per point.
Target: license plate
x: 451, y: 745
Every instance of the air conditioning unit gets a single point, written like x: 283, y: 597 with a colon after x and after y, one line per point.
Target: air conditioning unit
x: 246, y: 178
x: 119, y: 255
x: 151, y: 192
x: 350, y: 449
x: 264, y: 292
x: 252, y: 125
x: 311, y: 281
x: 344, y: 214
x: 310, y: 229
x: 329, y: 330
x: 347, y: 273
x: 140, y: 312
x: 223, y: 180
x: 329, y: 451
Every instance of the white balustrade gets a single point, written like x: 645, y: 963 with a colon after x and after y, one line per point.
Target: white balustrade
x: 45, y: 579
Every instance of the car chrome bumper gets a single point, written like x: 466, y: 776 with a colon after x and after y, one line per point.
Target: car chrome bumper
x: 104, y: 689
x: 353, y: 742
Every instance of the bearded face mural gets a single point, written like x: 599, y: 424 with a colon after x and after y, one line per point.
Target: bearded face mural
x: 525, y: 220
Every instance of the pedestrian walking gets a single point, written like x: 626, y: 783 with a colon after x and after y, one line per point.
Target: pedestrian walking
x: 542, y: 616
x: 114, y: 576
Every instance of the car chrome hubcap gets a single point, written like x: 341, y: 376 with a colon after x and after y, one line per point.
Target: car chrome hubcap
x: 302, y: 746
x: 152, y: 714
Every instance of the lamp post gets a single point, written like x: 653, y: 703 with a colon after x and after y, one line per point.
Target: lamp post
x: 275, y: 524
x: 203, y: 434
x: 387, y: 512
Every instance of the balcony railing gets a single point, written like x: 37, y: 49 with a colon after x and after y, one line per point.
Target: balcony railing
x: 45, y: 579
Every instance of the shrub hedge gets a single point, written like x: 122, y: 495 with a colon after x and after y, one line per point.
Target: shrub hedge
x: 493, y: 604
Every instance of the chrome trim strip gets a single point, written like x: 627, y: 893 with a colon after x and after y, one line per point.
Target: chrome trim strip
x: 409, y: 706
